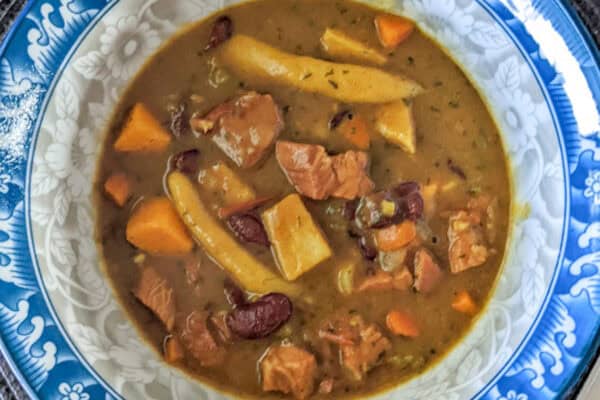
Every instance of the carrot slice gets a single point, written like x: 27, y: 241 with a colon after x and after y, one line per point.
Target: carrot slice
x: 172, y: 350
x: 393, y: 30
x: 226, y: 212
x: 142, y: 132
x: 118, y: 188
x: 464, y: 303
x: 356, y: 131
x: 402, y: 324
x: 155, y: 227
x: 395, y: 237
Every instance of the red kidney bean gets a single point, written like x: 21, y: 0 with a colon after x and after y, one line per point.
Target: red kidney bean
x: 248, y: 228
x: 414, y: 206
x: 221, y: 31
x: 405, y: 188
x: 350, y: 209
x: 338, y: 118
x: 261, y: 318
x: 368, y: 252
x: 187, y: 161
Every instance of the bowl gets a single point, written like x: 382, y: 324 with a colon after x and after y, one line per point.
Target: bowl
x: 62, y: 69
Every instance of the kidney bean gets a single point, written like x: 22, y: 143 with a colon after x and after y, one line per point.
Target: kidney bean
x: 405, y: 188
x: 338, y: 118
x: 261, y: 318
x: 187, y: 161
x: 248, y: 228
x: 368, y: 252
x: 221, y: 31
x: 350, y: 209
x: 413, y: 206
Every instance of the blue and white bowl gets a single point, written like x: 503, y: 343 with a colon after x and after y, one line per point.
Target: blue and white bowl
x: 62, y: 69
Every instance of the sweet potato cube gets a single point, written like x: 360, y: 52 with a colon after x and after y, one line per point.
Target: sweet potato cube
x: 156, y: 228
x: 395, y: 122
x: 298, y: 243
x: 117, y: 187
x: 227, y: 185
x: 142, y: 132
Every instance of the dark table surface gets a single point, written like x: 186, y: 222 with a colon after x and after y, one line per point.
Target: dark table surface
x: 588, y: 10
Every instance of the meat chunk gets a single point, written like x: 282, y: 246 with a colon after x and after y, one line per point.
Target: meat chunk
x: 428, y: 273
x: 199, y: 341
x: 361, y: 345
x: 156, y: 294
x: 219, y: 322
x: 244, y: 127
x: 317, y: 175
x: 399, y: 280
x: 467, y: 242
x: 308, y: 167
x: 288, y: 369
x: 350, y: 170
x: 192, y: 271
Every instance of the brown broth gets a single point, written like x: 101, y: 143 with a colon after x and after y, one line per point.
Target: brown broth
x: 453, y: 123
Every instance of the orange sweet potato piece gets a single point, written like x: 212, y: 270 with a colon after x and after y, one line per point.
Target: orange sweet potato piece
x: 464, y: 303
x: 156, y: 228
x: 356, y: 131
x: 118, y: 188
x: 402, y: 324
x: 393, y: 30
x: 395, y: 237
x: 142, y: 132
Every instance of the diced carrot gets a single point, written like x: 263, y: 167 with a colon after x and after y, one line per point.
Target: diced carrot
x: 395, y: 237
x: 356, y: 131
x: 402, y: 324
x: 117, y: 186
x: 172, y: 350
x: 142, y: 132
x: 393, y: 30
x: 464, y: 303
x: 228, y: 211
x: 155, y: 227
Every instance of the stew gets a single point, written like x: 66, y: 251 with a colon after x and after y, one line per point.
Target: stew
x: 302, y: 198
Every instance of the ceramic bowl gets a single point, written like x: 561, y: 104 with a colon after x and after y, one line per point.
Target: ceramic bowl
x: 62, y: 69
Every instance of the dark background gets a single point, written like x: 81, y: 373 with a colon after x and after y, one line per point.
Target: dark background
x: 588, y: 10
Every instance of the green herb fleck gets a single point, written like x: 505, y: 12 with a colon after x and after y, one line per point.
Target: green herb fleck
x: 333, y: 84
x: 474, y: 191
x: 454, y: 103
x: 329, y: 73
x: 306, y: 76
x: 410, y: 60
x: 435, y: 109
